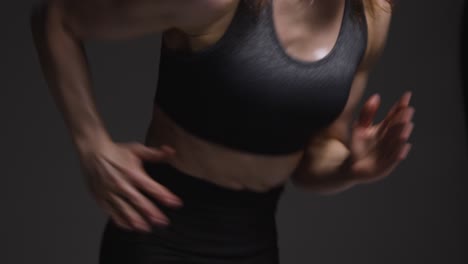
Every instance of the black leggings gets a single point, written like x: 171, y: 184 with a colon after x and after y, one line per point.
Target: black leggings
x: 215, y: 225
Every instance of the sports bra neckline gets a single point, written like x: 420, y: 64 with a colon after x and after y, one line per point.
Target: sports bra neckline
x: 301, y: 62
x: 272, y: 34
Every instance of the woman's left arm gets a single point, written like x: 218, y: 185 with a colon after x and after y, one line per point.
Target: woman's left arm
x: 349, y: 152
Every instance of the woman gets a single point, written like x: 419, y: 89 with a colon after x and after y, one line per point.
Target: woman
x: 250, y: 94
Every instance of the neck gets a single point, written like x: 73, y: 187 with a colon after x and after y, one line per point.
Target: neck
x: 311, y: 9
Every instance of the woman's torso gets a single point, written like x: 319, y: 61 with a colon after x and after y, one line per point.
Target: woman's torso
x: 297, y: 28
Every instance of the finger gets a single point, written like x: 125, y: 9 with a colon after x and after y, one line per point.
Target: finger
x: 125, y: 189
x: 115, y: 215
x: 143, y: 181
x: 395, y: 140
x: 389, y: 118
x: 402, y: 103
x: 109, y: 210
x: 393, y: 134
x: 400, y: 152
x: 401, y: 148
x: 129, y: 213
x: 388, y: 143
x: 406, y: 133
x: 148, y: 153
x: 406, y: 98
x: 404, y: 115
x: 404, y: 153
x: 145, y: 206
x: 369, y: 111
x: 170, y: 150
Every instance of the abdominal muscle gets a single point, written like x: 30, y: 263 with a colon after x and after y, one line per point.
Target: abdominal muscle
x: 216, y: 163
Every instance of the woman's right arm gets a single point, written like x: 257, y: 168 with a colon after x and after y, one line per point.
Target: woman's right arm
x: 113, y: 170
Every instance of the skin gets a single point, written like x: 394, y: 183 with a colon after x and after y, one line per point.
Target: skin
x: 342, y: 155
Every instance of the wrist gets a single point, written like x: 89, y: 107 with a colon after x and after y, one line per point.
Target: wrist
x: 333, y: 181
x: 91, y: 141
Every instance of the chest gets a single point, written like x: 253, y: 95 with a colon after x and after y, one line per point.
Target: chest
x: 248, y: 91
x: 304, y: 35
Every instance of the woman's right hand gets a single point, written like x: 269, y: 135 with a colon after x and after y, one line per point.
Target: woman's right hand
x: 115, y: 176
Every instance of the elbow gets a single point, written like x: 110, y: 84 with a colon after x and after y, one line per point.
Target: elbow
x: 43, y: 20
x: 48, y: 17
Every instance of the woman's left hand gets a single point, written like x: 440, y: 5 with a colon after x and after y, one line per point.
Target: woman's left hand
x: 377, y: 149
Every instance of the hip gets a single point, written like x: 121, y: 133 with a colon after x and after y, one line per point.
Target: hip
x: 215, y: 222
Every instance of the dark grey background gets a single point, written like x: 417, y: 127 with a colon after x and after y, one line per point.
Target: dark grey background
x: 414, y: 216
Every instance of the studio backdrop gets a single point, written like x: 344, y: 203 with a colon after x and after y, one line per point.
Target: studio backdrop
x: 413, y: 216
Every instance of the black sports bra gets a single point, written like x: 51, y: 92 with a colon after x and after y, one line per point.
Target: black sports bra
x: 244, y: 92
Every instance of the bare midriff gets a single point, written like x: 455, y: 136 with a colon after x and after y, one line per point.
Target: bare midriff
x: 217, y: 163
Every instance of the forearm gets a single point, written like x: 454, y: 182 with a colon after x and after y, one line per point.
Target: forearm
x: 63, y: 61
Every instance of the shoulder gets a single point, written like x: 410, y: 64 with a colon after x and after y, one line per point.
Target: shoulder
x: 125, y: 18
x: 199, y: 16
x: 378, y: 17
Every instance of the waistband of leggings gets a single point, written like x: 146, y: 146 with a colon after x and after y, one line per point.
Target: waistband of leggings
x: 200, y: 190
